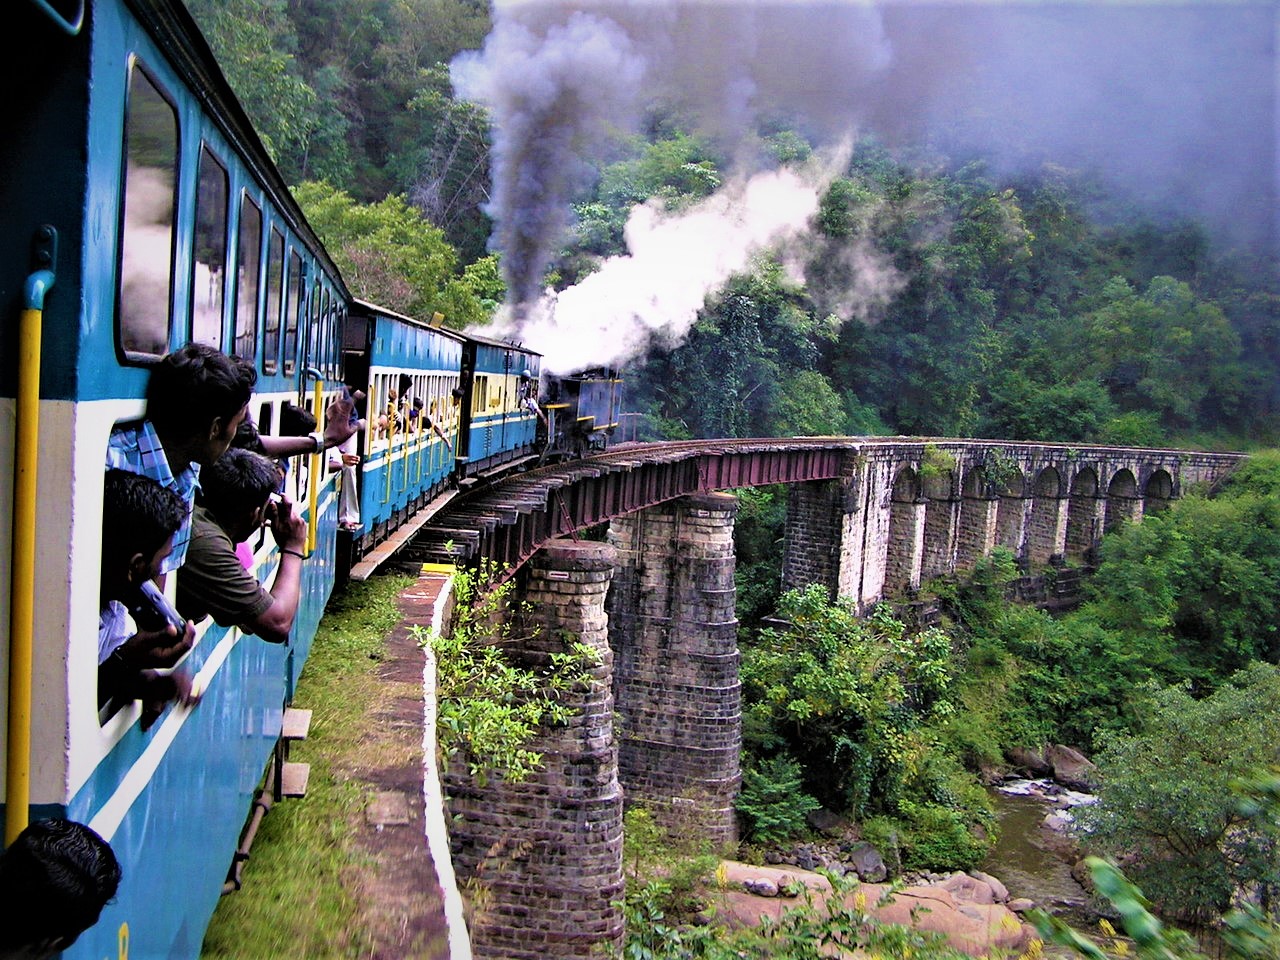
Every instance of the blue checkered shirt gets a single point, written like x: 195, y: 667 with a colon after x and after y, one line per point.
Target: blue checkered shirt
x: 136, y: 448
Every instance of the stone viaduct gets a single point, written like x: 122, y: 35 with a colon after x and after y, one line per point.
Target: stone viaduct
x: 660, y: 723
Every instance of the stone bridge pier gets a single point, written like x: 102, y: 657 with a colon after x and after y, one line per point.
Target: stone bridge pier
x: 543, y: 857
x: 674, y: 635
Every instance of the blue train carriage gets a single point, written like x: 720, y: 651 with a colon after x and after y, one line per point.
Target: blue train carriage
x: 409, y: 371
x: 169, y: 224
x: 498, y: 430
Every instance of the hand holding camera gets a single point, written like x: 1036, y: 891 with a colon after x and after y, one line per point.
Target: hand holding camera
x: 287, y: 527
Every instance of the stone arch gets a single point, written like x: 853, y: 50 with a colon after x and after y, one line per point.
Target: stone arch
x: 941, y: 519
x: 1084, y: 525
x: 977, y: 529
x: 906, y: 533
x: 1157, y: 493
x: 1011, y: 515
x: 1123, y: 502
x: 1045, y: 523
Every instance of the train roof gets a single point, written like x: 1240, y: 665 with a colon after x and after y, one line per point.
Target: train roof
x: 178, y: 35
x: 403, y: 318
x: 495, y: 342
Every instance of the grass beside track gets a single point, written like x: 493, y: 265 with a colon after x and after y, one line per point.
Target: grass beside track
x: 298, y: 897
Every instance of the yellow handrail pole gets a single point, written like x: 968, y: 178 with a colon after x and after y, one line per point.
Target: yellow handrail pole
x: 391, y: 449
x: 23, y: 570
x: 417, y: 477
x: 404, y: 451
x: 313, y: 488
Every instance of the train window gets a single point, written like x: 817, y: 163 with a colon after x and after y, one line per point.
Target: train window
x: 480, y: 395
x: 209, y: 252
x: 275, y: 293
x: 145, y: 308
x: 321, y: 358
x: 248, y: 262
x: 292, y: 311
x: 313, y: 328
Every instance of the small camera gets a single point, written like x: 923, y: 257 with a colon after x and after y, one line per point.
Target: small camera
x: 155, y: 611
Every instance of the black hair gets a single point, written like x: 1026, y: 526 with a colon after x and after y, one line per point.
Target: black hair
x: 194, y: 385
x: 55, y: 878
x: 247, y: 437
x: 138, y: 515
x: 237, y: 482
x: 405, y: 384
x: 295, y: 421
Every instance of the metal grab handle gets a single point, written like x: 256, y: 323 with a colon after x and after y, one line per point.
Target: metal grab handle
x: 23, y: 565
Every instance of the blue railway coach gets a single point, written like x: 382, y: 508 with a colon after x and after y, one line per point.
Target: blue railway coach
x: 140, y: 212
x: 497, y: 429
x: 410, y: 372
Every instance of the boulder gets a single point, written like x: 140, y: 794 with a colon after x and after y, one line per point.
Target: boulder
x: 1058, y: 821
x: 826, y: 822
x: 760, y: 886
x: 967, y: 889
x: 1071, y: 767
x: 998, y: 889
x: 866, y: 860
x: 1021, y: 905
x: 1030, y: 760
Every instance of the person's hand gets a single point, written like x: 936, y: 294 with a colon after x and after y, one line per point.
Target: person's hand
x: 156, y: 690
x: 350, y: 459
x: 158, y: 648
x: 287, y: 527
x: 337, y: 420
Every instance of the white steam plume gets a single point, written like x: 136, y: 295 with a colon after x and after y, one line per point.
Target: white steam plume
x: 674, y: 262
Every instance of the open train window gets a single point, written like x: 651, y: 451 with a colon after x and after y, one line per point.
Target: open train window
x: 313, y: 328
x: 209, y: 251
x: 145, y: 292
x: 275, y: 294
x: 321, y: 358
x: 292, y: 311
x: 248, y: 261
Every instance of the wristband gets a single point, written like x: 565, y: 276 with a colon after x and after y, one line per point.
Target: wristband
x: 296, y: 553
x: 318, y: 439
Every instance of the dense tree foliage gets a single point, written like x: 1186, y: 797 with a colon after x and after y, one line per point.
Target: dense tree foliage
x: 1167, y: 807
x: 391, y: 256
x: 855, y: 703
x: 355, y: 93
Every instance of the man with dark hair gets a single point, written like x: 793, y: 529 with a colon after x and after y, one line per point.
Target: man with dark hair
x: 55, y: 878
x: 235, y: 500
x: 196, y: 398
x: 139, y: 520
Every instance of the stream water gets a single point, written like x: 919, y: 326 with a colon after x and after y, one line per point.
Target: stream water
x: 1021, y: 858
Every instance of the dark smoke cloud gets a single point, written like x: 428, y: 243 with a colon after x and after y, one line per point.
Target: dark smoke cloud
x: 1173, y: 105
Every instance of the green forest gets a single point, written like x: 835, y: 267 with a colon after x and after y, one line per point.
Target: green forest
x: 1036, y: 306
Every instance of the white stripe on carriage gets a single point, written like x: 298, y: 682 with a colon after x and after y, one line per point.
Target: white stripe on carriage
x: 109, y: 816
